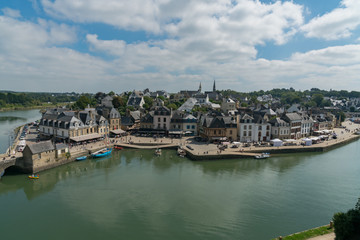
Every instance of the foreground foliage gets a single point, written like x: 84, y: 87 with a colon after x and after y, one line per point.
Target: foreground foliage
x: 347, y: 225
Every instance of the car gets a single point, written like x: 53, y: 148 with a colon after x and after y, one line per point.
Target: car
x: 189, y: 147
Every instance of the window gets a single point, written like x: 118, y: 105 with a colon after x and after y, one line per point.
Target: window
x: 245, y: 134
x: 275, y: 131
x: 250, y: 127
x: 158, y: 119
x: 165, y: 125
x: 230, y: 131
x: 268, y: 127
x: 245, y: 127
x: 214, y: 131
x: 249, y: 134
x: 164, y: 119
x: 193, y: 126
x: 158, y: 125
x: 39, y: 155
x: 260, y: 128
x: 187, y: 126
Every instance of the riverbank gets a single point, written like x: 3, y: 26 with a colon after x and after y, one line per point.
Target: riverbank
x: 320, y: 233
x: 198, y: 151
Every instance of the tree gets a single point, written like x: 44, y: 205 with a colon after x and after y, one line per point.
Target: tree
x: 172, y: 106
x: 111, y: 93
x: 118, y: 102
x: 318, y: 98
x: 82, y: 102
x: 352, y: 109
x: 347, y: 224
x: 341, y: 115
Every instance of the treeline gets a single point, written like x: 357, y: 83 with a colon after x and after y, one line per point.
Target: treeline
x: 309, y: 98
x: 15, y: 99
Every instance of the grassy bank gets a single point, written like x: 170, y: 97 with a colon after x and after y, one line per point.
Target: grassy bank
x: 309, y: 233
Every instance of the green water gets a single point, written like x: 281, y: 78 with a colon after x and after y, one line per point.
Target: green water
x: 135, y: 195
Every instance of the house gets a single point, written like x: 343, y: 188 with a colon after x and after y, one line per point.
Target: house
x: 306, y: 125
x: 184, y: 123
x: 294, y: 120
x: 136, y: 100
x: 218, y: 128
x: 253, y: 128
x: 228, y: 105
x: 112, y: 115
x: 279, y: 128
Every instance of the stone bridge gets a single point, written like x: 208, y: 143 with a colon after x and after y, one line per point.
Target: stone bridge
x: 4, y: 164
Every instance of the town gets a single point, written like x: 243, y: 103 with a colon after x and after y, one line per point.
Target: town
x: 203, y: 124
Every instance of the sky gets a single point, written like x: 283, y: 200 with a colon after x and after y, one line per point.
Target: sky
x: 172, y: 45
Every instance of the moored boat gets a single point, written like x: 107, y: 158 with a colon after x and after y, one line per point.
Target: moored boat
x: 262, y: 156
x: 102, y: 153
x: 118, y: 147
x: 181, y: 152
x: 34, y: 176
x: 158, y: 152
x: 81, y: 158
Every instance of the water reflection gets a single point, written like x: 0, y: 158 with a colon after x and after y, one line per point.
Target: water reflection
x: 162, y: 164
x: 10, y: 118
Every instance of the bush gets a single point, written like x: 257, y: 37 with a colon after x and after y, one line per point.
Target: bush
x: 347, y: 225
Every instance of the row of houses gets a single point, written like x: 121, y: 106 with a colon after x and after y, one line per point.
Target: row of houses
x: 65, y: 125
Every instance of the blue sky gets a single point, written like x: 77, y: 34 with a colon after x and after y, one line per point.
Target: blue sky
x: 116, y: 45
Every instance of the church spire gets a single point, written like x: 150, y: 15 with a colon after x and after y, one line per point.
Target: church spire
x: 214, y: 87
x: 199, y: 87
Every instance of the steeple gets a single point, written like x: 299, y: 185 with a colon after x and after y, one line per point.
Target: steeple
x: 214, y: 88
x: 199, y: 87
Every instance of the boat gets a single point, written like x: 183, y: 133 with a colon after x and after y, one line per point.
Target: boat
x: 102, y: 153
x: 181, y: 152
x: 158, y: 152
x: 118, y: 147
x: 2, y: 173
x: 34, y: 176
x: 81, y: 158
x: 262, y: 156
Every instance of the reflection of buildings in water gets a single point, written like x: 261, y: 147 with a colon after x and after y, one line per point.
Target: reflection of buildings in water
x: 49, y: 178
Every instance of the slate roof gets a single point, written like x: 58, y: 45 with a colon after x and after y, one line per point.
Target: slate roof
x: 293, y: 116
x: 41, y: 147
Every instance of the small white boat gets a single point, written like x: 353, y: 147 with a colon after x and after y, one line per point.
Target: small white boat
x: 181, y: 152
x: 158, y: 152
x: 262, y: 156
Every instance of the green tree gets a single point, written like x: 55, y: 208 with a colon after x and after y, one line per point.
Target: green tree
x: 318, y: 98
x: 82, y: 102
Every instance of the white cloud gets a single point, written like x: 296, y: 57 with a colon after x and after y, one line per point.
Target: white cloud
x: 336, y: 24
x: 11, y: 12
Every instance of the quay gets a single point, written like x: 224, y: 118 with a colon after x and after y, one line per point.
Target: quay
x: 196, y: 151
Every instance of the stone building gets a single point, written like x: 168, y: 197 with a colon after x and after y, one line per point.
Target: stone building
x: 43, y: 155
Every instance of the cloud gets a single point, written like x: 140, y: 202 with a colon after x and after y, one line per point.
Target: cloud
x: 223, y: 22
x: 336, y: 24
x: 11, y: 12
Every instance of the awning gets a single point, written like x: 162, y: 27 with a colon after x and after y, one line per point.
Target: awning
x: 219, y: 138
x: 176, y: 132
x: 117, y: 131
x: 86, y: 137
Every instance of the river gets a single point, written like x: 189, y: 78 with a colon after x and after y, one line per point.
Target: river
x: 135, y: 195
x: 9, y: 120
